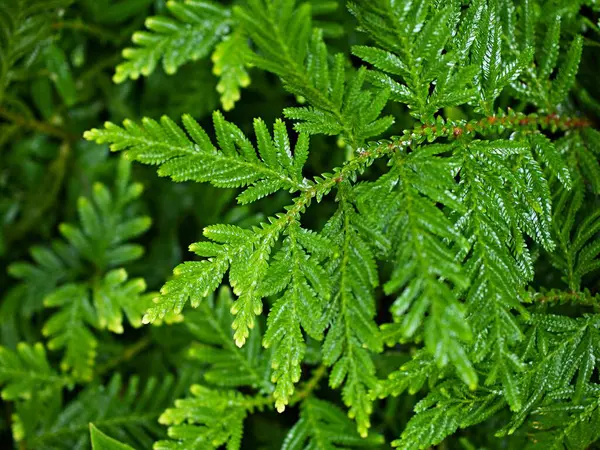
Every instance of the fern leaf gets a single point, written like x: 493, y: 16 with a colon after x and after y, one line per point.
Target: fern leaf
x: 495, y: 71
x: 300, y: 307
x: 115, y: 296
x: 403, y: 36
x: 225, y: 364
x: 50, y: 268
x: 352, y: 331
x: 68, y: 329
x: 190, y: 35
x: 235, y: 164
x: 101, y: 441
x: 27, y: 370
x: 566, y: 73
x: 323, y: 426
x: 439, y: 415
x: 26, y: 26
x: 126, y: 411
x: 229, y: 59
x: 244, y: 253
x: 208, y: 419
x: 419, y: 230
x: 579, y: 249
x: 291, y: 48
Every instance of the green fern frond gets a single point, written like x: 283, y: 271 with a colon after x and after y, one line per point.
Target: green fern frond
x: 576, y: 233
x: 322, y: 425
x: 301, y: 307
x: 127, y: 411
x: 195, y: 28
x: 105, y: 225
x: 229, y: 59
x: 26, y: 25
x: 352, y: 111
x: 538, y: 85
x: 69, y: 329
x: 100, y: 239
x: 51, y: 267
x: 442, y: 412
x: 564, y: 353
x: 225, y: 364
x: 208, y: 419
x: 410, y: 377
x: 352, y: 333
x: 583, y: 157
x: 101, y: 441
x: 418, y: 231
x: 422, y: 45
x: 27, y: 370
x: 290, y: 47
x: 235, y: 164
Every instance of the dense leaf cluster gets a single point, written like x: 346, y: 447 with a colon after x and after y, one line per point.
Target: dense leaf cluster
x: 402, y: 251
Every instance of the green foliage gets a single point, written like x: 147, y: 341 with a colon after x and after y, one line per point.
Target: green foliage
x: 408, y: 256
x: 101, y: 240
x: 235, y: 164
x: 192, y: 32
x: 414, y: 44
x: 101, y: 441
x: 325, y: 426
x: 538, y: 88
x: 26, y: 26
x: 225, y: 364
x: 127, y: 412
x: 27, y: 371
x: 352, y: 329
x: 220, y: 414
x: 292, y: 49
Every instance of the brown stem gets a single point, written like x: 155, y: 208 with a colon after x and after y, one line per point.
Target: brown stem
x: 577, y: 298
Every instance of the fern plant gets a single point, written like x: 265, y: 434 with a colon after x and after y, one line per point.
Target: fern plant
x: 393, y: 232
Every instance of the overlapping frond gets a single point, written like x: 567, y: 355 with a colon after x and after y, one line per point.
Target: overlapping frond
x: 353, y: 334
x: 560, y: 356
x: 322, y: 425
x: 27, y: 371
x: 576, y: 217
x: 190, y: 34
x: 100, y: 239
x: 290, y: 47
x: 225, y: 365
x: 26, y: 25
x: 423, y: 46
x: 125, y: 410
x: 305, y: 288
x: 545, y: 83
x: 208, y: 419
x: 193, y: 30
x: 426, y: 268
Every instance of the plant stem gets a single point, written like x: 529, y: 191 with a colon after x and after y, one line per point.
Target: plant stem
x: 452, y: 130
x: 36, y: 125
x: 128, y: 354
x: 93, y: 30
x: 47, y: 195
x: 310, y: 385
